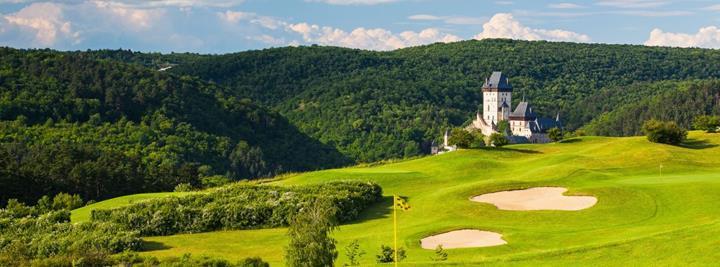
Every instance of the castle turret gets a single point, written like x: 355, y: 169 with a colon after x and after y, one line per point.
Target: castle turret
x: 496, y: 92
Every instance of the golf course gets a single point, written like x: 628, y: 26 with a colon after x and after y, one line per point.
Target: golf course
x: 652, y: 203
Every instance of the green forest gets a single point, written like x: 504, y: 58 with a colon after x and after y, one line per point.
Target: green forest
x: 107, y: 123
x: 378, y: 105
x: 73, y: 123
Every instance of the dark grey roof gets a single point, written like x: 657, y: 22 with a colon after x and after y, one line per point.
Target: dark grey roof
x: 497, y: 81
x: 523, y: 110
x: 542, y: 125
x: 504, y: 105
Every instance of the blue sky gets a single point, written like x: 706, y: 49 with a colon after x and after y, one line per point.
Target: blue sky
x: 220, y: 26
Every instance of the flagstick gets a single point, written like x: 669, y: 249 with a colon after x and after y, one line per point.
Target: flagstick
x: 395, y: 229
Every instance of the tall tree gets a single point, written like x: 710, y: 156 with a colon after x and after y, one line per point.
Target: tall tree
x: 310, y: 241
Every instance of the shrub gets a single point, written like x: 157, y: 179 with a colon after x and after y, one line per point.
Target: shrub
x: 498, y: 140
x: 353, y: 253
x: 706, y: 123
x: 440, y: 254
x: 555, y: 134
x: 183, y: 187
x: 387, y: 254
x: 666, y: 132
x: 66, y: 201
x: 238, y: 206
x: 253, y: 262
x: 460, y: 137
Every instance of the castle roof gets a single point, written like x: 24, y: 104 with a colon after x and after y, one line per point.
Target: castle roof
x: 523, y: 111
x: 497, y: 82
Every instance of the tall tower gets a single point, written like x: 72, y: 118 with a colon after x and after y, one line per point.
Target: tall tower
x: 497, y: 98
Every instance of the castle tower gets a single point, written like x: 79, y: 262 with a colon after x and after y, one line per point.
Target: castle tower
x: 497, y: 98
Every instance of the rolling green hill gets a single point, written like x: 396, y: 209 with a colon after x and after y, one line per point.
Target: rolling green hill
x: 72, y: 123
x: 672, y: 100
x: 657, y: 204
x: 380, y: 105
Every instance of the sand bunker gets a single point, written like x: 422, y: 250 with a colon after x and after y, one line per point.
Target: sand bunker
x: 538, y: 198
x: 463, y: 239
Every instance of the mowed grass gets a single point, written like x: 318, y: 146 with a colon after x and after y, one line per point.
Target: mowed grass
x: 646, y: 214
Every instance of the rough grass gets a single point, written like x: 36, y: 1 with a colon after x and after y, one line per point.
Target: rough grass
x: 641, y: 218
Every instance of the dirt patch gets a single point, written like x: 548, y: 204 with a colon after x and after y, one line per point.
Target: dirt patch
x: 537, y: 198
x: 463, y: 239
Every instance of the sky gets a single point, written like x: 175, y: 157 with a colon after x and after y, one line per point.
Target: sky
x: 223, y: 26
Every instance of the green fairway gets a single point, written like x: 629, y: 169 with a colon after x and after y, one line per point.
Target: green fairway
x: 645, y: 213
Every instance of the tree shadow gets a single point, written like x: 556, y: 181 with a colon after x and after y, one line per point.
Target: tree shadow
x: 519, y: 150
x: 697, y: 144
x: 571, y: 140
x: 153, y: 246
x: 379, y: 210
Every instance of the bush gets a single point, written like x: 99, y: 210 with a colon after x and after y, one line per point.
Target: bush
x: 440, y: 254
x: 239, y: 206
x: 387, y: 254
x: 555, y: 134
x: 66, y: 201
x: 253, y: 262
x: 183, y: 187
x: 498, y: 140
x: 706, y: 123
x: 460, y: 137
x: 353, y: 253
x: 666, y: 132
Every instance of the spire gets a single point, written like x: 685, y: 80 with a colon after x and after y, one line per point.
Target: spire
x: 557, y: 117
x: 445, y: 140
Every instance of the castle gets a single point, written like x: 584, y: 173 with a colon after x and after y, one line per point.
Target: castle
x: 524, y: 124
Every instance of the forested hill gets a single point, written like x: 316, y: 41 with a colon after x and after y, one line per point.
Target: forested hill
x: 676, y: 101
x: 377, y: 105
x: 72, y: 123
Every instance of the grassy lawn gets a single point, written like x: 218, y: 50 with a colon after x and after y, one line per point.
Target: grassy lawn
x: 643, y: 215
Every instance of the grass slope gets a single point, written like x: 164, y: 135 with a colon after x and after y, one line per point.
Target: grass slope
x: 641, y: 216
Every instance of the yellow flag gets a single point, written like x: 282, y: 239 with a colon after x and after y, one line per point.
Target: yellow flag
x: 401, y: 203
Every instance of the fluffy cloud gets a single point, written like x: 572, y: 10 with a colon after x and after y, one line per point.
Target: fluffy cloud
x: 374, y: 39
x: 707, y: 37
x: 264, y: 21
x: 354, y: 2
x: 45, y: 22
x: 503, y: 25
x: 135, y: 18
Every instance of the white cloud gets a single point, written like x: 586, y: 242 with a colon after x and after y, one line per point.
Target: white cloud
x: 354, y: 2
x: 503, y: 25
x: 456, y: 20
x: 44, y: 21
x: 373, y: 39
x: 136, y: 18
x: 424, y: 17
x: 713, y: 7
x: 632, y: 3
x: 264, y: 21
x: 564, y: 6
x: 706, y: 37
